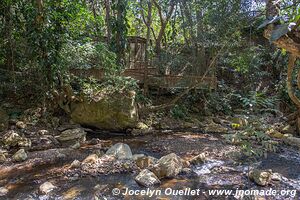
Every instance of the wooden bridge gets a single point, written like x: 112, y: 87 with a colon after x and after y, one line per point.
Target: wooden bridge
x: 154, y: 79
x: 145, y: 73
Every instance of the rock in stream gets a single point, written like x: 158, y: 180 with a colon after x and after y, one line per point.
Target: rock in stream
x: 120, y: 151
x: 147, y: 178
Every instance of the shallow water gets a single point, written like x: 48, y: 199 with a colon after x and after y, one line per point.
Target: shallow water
x: 220, y: 171
x: 207, y: 167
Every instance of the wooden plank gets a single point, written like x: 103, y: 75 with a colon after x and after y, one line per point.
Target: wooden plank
x: 166, y: 81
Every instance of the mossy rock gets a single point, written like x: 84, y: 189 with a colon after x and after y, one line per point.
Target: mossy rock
x: 112, y: 112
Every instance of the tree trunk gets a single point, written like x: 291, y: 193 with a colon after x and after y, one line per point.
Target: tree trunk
x: 148, y: 23
x: 120, y: 49
x: 40, y: 16
x: 291, y: 66
x: 39, y: 23
x: 107, y: 19
x: 8, y: 36
x: 188, y: 15
x: 97, y: 32
x: 163, y: 21
x: 187, y: 42
x: 287, y: 43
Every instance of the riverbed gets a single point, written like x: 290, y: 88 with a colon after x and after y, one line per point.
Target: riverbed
x: 225, y: 169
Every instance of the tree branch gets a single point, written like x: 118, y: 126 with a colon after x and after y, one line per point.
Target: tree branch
x: 291, y: 66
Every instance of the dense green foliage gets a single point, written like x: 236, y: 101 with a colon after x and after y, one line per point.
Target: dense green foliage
x: 48, y: 38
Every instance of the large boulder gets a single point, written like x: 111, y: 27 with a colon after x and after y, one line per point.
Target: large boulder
x: 110, y: 112
x: 168, y: 166
x: 147, y: 178
x: 120, y: 151
x: 3, y: 120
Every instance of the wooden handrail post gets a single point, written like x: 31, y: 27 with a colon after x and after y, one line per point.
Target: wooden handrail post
x: 146, y: 78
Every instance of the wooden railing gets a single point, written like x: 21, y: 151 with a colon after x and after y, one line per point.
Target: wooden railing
x: 153, y: 78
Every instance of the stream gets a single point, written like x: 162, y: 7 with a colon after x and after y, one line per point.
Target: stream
x: 224, y: 169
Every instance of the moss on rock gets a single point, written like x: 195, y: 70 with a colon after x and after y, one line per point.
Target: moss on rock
x: 111, y: 112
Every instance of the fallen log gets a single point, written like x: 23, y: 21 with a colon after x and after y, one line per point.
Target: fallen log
x: 39, y: 159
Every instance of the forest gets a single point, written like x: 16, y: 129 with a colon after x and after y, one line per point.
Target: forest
x: 149, y: 99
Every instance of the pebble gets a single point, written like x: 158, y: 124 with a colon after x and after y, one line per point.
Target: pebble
x: 3, y: 191
x: 20, y: 125
x: 46, y: 187
x: 75, y: 164
x: 20, y: 155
